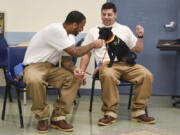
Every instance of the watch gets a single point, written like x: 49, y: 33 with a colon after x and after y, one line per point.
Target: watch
x: 140, y: 36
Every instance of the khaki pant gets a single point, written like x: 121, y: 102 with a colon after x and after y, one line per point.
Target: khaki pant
x: 37, y: 77
x: 137, y: 74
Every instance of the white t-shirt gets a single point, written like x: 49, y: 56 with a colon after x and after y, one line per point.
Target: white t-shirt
x: 122, y: 31
x: 48, y: 44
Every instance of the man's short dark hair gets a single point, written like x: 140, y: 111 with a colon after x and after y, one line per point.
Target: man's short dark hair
x: 109, y: 5
x: 74, y: 17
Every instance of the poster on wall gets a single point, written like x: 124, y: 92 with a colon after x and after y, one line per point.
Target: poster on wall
x: 2, y: 24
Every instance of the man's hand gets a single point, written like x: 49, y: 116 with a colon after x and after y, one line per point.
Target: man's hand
x: 83, y: 82
x: 139, y: 30
x: 98, y: 43
x: 78, y: 73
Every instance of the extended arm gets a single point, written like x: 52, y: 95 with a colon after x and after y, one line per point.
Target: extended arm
x: 82, y: 50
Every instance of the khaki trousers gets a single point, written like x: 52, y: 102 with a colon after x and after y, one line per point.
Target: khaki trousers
x: 137, y: 74
x: 39, y: 75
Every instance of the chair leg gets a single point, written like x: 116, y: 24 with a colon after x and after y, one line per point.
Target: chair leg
x: 92, y: 94
x: 10, y: 97
x: 130, y: 96
x: 75, y: 102
x: 146, y: 110
x: 20, y: 108
x: 5, y: 100
x: 75, y: 99
x: 59, y: 94
x: 79, y: 94
x: 25, y: 96
x: 173, y: 97
x: 175, y: 103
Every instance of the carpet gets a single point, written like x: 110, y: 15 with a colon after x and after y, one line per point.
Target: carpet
x: 138, y: 131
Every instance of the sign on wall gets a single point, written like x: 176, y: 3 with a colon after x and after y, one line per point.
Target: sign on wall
x: 2, y: 24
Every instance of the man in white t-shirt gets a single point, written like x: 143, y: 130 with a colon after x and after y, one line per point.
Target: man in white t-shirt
x: 44, y: 51
x: 109, y: 76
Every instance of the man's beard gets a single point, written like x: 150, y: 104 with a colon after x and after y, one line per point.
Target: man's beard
x: 76, y: 33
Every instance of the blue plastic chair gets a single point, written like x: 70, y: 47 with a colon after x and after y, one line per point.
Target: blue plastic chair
x: 4, y: 57
x: 3, y: 52
x: 15, y: 56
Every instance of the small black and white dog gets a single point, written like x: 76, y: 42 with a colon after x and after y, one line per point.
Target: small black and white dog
x: 116, y: 47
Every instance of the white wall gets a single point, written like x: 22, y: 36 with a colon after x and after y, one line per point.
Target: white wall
x: 32, y: 15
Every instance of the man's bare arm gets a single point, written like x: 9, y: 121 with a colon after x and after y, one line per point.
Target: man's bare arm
x: 85, y: 61
x: 139, y: 46
x: 68, y: 63
x: 82, y: 50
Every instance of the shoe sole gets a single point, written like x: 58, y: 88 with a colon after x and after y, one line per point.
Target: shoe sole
x: 65, y: 130
x: 106, y: 124
x: 138, y: 120
x: 42, y: 132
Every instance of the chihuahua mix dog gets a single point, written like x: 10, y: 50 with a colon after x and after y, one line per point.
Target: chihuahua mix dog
x: 116, y: 47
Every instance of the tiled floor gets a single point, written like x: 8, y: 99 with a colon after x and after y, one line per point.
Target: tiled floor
x: 160, y: 107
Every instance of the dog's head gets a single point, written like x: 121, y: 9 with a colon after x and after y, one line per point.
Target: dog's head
x: 105, y: 33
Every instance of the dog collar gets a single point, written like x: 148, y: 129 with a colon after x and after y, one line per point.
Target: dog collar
x: 110, y: 39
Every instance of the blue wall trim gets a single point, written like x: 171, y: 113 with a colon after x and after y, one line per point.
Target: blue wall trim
x: 15, y: 38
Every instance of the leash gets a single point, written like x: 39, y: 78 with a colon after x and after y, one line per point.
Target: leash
x: 100, y: 61
x: 97, y: 68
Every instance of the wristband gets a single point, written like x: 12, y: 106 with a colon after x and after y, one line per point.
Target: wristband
x: 140, y: 36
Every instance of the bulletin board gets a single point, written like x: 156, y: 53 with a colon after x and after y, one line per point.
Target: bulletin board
x: 2, y: 24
